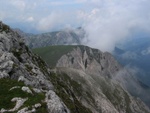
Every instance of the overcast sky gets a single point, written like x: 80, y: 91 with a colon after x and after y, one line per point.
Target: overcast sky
x: 41, y: 15
x: 106, y: 22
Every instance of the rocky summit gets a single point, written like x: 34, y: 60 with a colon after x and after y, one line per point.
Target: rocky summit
x: 83, y: 81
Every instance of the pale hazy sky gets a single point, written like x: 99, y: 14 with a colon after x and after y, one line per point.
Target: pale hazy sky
x: 106, y: 22
x: 41, y: 15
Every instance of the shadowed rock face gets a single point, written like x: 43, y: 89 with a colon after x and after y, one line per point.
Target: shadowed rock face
x: 19, y: 63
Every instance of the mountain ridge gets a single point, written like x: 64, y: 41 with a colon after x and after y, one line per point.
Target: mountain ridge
x: 63, y: 89
x: 62, y: 37
x: 78, y: 65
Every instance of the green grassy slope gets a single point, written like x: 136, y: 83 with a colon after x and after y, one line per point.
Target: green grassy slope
x: 6, y: 95
x: 51, y: 54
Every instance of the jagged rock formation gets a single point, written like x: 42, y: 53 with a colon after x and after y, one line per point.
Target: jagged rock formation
x: 92, y: 61
x: 98, y: 72
x: 63, y: 37
x: 19, y: 63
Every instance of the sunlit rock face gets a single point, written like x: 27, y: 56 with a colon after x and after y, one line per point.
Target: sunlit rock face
x: 17, y: 62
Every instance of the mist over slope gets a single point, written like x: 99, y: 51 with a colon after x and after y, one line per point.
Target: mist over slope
x: 135, y: 54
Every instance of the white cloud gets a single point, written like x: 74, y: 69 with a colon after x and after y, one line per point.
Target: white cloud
x: 67, y: 2
x: 49, y: 22
x: 81, y: 1
x: 110, y: 22
x: 2, y: 15
x: 146, y: 52
x: 20, y: 4
x: 58, y: 3
x: 30, y: 19
x: 57, y: 20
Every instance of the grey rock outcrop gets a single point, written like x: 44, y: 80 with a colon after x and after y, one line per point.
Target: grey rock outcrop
x: 26, y: 89
x: 17, y: 60
x: 54, y: 103
x: 19, y: 63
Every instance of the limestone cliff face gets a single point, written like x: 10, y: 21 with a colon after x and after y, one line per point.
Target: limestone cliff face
x: 17, y: 62
x: 96, y: 73
x: 92, y: 61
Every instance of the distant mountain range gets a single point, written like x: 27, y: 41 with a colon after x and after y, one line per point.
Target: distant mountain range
x: 63, y: 37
